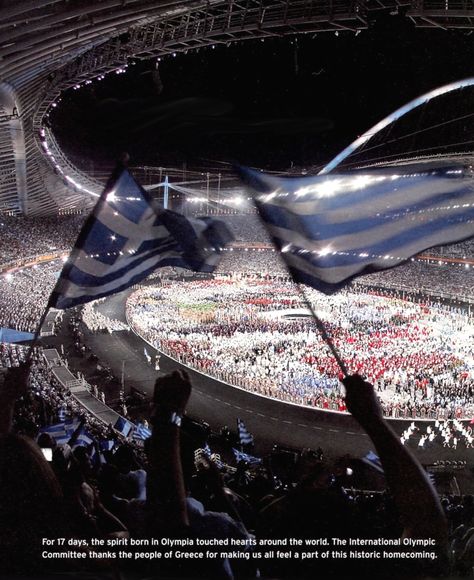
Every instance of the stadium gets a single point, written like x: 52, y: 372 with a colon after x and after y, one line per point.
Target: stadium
x: 274, y: 449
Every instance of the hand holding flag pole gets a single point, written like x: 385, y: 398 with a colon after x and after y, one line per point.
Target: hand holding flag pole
x: 323, y: 332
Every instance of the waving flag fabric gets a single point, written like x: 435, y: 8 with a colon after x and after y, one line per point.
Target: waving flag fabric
x: 141, y: 432
x: 250, y: 459
x: 62, y: 432
x: 245, y: 438
x: 123, y: 426
x: 373, y: 460
x: 332, y: 228
x: 126, y: 238
x: 84, y: 438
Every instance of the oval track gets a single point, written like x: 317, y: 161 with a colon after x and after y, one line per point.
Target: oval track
x: 269, y: 420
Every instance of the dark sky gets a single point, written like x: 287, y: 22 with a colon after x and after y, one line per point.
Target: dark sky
x: 296, y: 99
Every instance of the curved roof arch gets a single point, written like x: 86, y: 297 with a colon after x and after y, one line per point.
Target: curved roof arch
x: 47, y: 46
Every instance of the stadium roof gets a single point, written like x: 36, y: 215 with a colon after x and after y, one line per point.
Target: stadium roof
x: 48, y: 46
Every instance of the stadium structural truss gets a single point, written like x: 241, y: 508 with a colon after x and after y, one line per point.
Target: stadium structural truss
x: 49, y: 46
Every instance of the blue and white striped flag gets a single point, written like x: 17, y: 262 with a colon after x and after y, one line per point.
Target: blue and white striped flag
x: 141, y: 432
x: 61, y: 432
x: 84, y: 439
x: 245, y: 438
x: 373, y: 460
x: 250, y: 459
x: 62, y: 413
x: 123, y: 426
x: 126, y: 238
x: 332, y: 228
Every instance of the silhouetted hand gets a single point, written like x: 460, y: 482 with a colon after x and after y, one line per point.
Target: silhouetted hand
x: 210, y: 474
x: 361, y: 400
x: 172, y: 393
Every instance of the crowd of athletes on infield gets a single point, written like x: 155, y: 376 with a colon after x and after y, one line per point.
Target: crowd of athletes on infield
x: 236, y: 331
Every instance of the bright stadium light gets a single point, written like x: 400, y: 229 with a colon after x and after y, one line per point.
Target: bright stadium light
x: 325, y: 251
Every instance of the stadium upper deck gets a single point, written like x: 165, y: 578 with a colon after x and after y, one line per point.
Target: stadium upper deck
x: 49, y: 46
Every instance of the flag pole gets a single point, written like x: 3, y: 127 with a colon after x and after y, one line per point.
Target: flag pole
x: 121, y: 164
x: 322, y: 330
x: 319, y: 324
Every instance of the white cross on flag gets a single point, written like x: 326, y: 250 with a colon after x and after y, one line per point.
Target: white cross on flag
x: 125, y: 239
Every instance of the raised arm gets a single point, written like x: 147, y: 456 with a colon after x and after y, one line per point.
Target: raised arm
x: 166, y: 497
x: 416, y: 499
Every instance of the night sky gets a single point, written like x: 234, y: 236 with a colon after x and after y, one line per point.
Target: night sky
x: 295, y: 100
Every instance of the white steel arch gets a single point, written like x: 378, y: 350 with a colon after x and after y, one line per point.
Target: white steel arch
x: 47, y: 46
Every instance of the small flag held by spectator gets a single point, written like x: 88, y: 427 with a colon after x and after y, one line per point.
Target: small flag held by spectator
x: 245, y: 438
x: 107, y: 444
x: 123, y: 426
x: 62, y: 413
x: 141, y: 432
x: 84, y: 438
x: 250, y: 459
x: 374, y: 461
x: 61, y: 432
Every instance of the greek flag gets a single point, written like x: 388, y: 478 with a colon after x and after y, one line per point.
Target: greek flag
x: 123, y: 426
x: 84, y: 439
x: 250, y: 459
x: 373, y: 460
x: 62, y: 414
x: 141, y: 432
x: 332, y: 228
x: 126, y: 238
x: 245, y: 438
x: 61, y: 432
x: 147, y: 356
